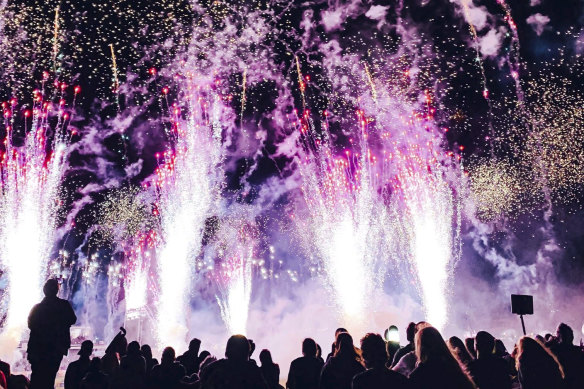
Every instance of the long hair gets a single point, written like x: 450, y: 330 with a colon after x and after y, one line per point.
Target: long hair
x: 344, y: 347
x: 458, y: 349
x: 266, y: 357
x: 533, y: 355
x: 431, y: 347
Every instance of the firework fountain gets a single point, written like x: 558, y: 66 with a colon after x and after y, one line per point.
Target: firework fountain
x: 386, y: 203
x: 234, y: 251
x: 29, y: 203
x: 187, y: 185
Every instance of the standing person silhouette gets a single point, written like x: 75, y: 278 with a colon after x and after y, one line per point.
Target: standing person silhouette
x: 49, y: 322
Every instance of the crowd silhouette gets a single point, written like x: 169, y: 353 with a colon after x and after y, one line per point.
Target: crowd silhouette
x: 427, y: 361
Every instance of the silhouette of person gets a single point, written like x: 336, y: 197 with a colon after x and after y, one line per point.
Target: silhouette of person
x: 340, y: 369
x: 305, y: 371
x: 391, y: 343
x: 169, y: 373
x: 150, y: 361
x: 77, y: 369
x: 458, y: 349
x: 407, y: 363
x: 252, y: 348
x: 338, y: 331
x: 202, y: 356
x: 190, y: 359
x: 410, y: 334
x: 437, y: 368
x: 537, y: 366
x: 133, y: 362
x: 110, y: 362
x: 270, y: 370
x: 235, y: 371
x: 470, y: 347
x: 49, y: 322
x: 570, y: 357
x: 319, y: 353
x: 132, y: 370
x: 377, y: 375
x: 94, y: 378
x: 488, y: 371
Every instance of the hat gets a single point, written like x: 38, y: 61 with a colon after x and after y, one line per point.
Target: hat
x: 86, y: 348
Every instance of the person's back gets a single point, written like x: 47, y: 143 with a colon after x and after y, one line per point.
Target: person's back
x: 94, y: 378
x: 304, y: 373
x: 235, y: 371
x: 340, y: 369
x: 488, y: 371
x: 437, y: 368
x: 377, y: 375
x: 570, y: 357
x: 150, y: 361
x: 133, y: 362
x: 49, y: 340
x: 169, y: 373
x: 190, y: 359
x: 77, y: 369
x: 270, y: 370
x: 537, y: 368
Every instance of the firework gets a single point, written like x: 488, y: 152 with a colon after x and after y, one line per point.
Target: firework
x: 341, y: 223
x: 233, y: 272
x: 137, y: 271
x: 29, y: 202
x: 187, y: 183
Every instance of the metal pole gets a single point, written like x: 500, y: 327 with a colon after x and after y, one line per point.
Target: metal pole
x: 523, y: 325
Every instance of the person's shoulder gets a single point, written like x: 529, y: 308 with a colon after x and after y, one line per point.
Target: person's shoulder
x: 361, y: 380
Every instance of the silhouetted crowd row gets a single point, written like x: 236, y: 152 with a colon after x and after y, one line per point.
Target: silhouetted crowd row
x: 427, y: 361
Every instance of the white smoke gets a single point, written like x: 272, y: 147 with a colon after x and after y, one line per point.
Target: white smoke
x: 538, y: 22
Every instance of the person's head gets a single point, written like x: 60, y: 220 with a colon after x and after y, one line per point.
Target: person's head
x: 318, y: 351
x: 146, y: 351
x: 51, y: 288
x: 252, y: 347
x: 500, y: 349
x: 344, y: 347
x: 411, y: 332
x: 204, y: 354
x: 484, y: 344
x: 392, y: 334
x: 533, y: 355
x: 266, y: 357
x: 168, y: 356
x: 5, y: 368
x: 458, y: 349
x: 134, y: 348
x: 339, y: 330
x: 309, y: 348
x: 431, y: 346
x: 194, y: 345
x: 238, y: 348
x: 373, y: 350
x: 470, y: 346
x: 565, y: 334
x: 86, y: 349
